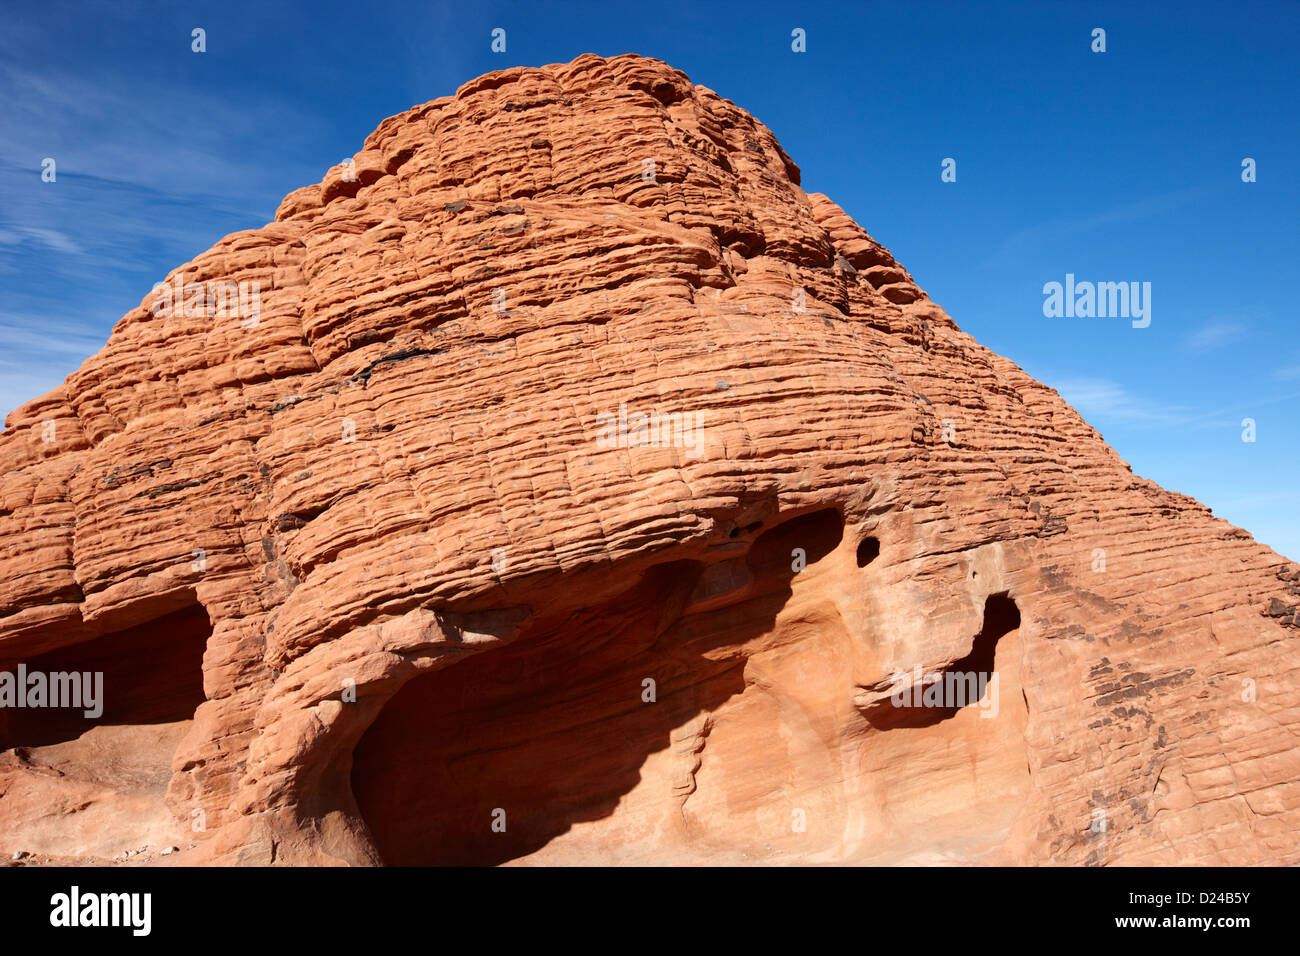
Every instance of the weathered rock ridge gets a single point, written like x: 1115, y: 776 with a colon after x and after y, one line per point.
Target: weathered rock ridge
x: 571, y: 490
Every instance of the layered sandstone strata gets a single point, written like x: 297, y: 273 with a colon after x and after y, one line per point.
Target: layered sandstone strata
x: 386, y: 564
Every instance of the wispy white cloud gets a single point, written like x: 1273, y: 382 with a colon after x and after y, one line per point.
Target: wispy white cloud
x: 1261, y: 498
x: 1052, y: 231
x: 148, y: 176
x: 1216, y: 334
x: 1102, y: 401
x: 30, y: 334
x: 164, y: 139
x: 140, y: 168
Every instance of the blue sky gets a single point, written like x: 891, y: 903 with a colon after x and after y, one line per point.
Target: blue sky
x: 1115, y: 166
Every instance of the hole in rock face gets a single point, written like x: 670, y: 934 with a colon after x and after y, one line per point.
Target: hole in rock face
x: 151, y: 674
x: 554, y: 729
x: 1001, y: 617
x: 868, y: 551
x: 952, y: 780
x: 967, y: 677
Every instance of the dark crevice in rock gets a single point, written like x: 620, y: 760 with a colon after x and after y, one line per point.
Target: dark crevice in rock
x: 962, y: 683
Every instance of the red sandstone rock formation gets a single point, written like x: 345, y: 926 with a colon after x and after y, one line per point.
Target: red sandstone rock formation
x: 392, y: 557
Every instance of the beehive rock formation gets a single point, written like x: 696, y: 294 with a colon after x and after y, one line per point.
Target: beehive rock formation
x: 376, y: 572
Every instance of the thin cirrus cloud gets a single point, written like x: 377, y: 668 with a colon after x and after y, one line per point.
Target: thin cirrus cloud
x: 144, y: 174
x: 165, y: 139
x: 128, y: 172
x: 1045, y: 233
x: 102, y: 223
x: 30, y: 335
x: 17, y: 235
x: 1105, y: 402
x: 1101, y: 401
x: 1216, y: 334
